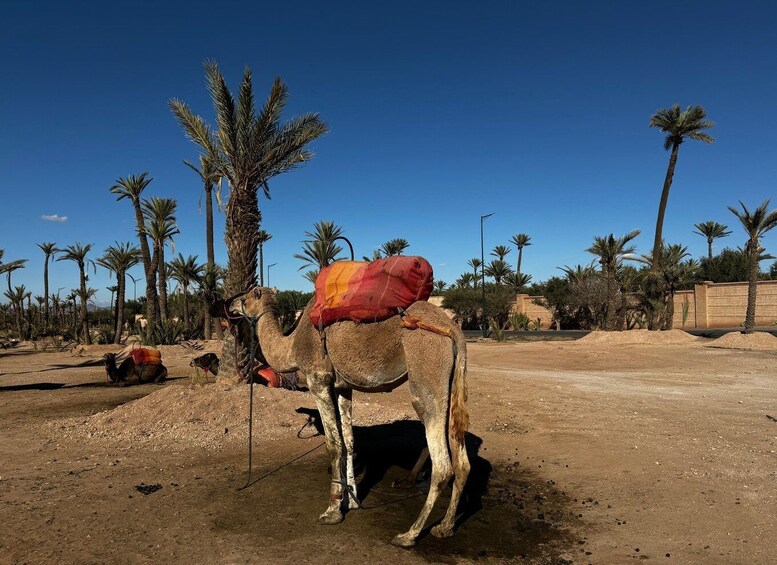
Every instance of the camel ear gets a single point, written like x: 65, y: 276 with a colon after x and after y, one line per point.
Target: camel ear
x: 257, y: 293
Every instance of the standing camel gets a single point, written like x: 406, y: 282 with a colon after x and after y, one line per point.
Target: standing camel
x: 377, y: 357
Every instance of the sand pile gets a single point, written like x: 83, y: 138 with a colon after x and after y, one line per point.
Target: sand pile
x: 757, y: 341
x: 212, y: 416
x: 630, y: 337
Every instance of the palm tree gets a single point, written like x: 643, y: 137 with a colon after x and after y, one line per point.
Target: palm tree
x: 209, y: 288
x: 674, y: 272
x: 465, y: 280
x: 440, y: 286
x: 210, y: 177
x: 610, y: 251
x: 517, y: 280
x: 475, y: 263
x: 8, y: 269
x: 48, y: 249
x: 500, y: 252
x: 159, y: 216
x: 498, y: 270
x: 756, y: 224
x: 711, y: 230
x: 16, y: 297
x: 247, y: 149
x: 394, y: 247
x: 119, y: 259
x: 77, y: 253
x: 186, y: 271
x: 520, y: 240
x: 263, y: 238
x: 678, y: 125
x: 132, y: 187
x: 321, y: 250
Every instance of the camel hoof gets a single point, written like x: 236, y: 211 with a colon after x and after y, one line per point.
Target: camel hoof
x: 403, y: 540
x: 330, y: 517
x: 442, y: 532
x: 353, y: 504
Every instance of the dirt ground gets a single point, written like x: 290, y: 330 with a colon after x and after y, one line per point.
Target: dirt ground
x: 581, y: 452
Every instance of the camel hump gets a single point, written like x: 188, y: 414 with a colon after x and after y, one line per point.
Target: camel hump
x: 370, y: 292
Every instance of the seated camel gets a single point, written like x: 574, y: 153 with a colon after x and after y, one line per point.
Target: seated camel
x: 156, y: 373
x: 425, y: 348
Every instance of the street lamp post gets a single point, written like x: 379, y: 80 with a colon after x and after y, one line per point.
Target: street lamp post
x: 268, y: 274
x: 483, y: 275
x: 134, y: 287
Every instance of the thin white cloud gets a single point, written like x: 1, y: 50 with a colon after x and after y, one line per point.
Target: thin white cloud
x: 54, y: 218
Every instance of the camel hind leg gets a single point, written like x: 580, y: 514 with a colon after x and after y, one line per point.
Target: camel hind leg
x: 429, y: 379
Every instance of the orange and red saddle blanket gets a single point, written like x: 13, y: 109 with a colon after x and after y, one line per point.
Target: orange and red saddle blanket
x: 143, y: 356
x: 370, y: 292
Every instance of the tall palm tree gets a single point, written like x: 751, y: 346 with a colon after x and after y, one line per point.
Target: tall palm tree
x: 159, y: 217
x: 440, y: 286
x: 320, y: 249
x: 712, y: 231
x: 520, y: 240
x: 248, y: 149
x: 209, y: 289
x: 498, y: 270
x: 394, y: 247
x: 119, y: 259
x: 678, y: 125
x: 610, y: 251
x: 500, y: 252
x: 263, y: 238
x: 475, y: 263
x: 48, y: 249
x: 77, y: 253
x: 8, y: 269
x: 132, y: 188
x: 210, y: 177
x: 186, y: 271
x: 756, y: 224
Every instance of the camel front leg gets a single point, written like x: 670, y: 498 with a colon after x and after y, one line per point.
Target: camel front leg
x: 321, y: 386
x: 344, y: 403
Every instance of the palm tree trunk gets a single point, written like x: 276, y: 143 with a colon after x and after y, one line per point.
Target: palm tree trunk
x: 159, y: 251
x: 46, y: 291
x: 658, y: 241
x: 668, y: 310
x: 520, y: 256
x: 709, y: 248
x: 752, y: 289
x: 84, y: 309
x: 152, y: 301
x: 211, y: 261
x: 186, y: 306
x: 122, y: 284
x: 612, y: 300
x: 242, y: 242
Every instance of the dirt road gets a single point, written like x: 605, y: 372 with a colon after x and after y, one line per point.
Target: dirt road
x: 582, y: 453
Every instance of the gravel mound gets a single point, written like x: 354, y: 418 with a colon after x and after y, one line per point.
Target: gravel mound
x: 757, y: 341
x: 631, y: 337
x: 212, y: 416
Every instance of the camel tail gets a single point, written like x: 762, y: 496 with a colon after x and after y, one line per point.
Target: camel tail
x: 458, y: 423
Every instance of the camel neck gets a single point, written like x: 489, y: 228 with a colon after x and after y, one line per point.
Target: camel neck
x: 276, y: 348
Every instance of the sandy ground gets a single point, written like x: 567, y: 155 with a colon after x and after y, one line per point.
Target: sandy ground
x: 583, y: 452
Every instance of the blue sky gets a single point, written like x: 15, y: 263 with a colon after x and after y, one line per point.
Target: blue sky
x: 439, y: 113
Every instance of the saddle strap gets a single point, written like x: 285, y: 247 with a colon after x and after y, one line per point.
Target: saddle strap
x: 413, y: 323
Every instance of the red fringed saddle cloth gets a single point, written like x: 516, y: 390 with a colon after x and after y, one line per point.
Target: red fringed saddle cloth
x: 145, y: 356
x: 370, y: 292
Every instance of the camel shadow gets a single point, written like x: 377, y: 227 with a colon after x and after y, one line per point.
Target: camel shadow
x: 384, y: 447
x: 59, y: 386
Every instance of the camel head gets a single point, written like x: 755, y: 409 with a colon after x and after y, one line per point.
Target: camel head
x: 109, y: 359
x: 250, y: 303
